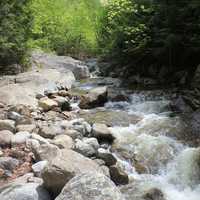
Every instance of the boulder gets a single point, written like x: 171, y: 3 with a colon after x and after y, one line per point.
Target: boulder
x: 102, y: 132
x: 108, y: 157
x: 38, y: 167
x: 47, y: 104
x: 63, y: 141
x: 8, y: 163
x: 63, y: 63
x: 46, y: 152
x: 118, y: 175
x: 88, y: 146
x: 90, y: 186
x: 63, y: 103
x: 26, y: 127
x: 95, y: 97
x: 21, y: 89
x: 73, y: 133
x: 5, y: 138
x: 26, y: 191
x: 64, y: 167
x: 154, y: 194
x: 180, y: 106
x: 20, y: 138
x: 7, y: 125
x: 49, y: 130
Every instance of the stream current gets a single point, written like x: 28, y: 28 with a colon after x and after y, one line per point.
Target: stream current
x: 150, y: 152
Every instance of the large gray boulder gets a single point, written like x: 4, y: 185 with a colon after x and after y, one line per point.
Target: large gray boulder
x: 64, y: 167
x: 95, y: 97
x: 79, y: 69
x: 25, y: 191
x: 90, y: 186
x: 22, y: 88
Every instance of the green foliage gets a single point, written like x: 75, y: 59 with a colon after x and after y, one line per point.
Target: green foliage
x: 143, y: 33
x: 15, y: 24
x: 65, y: 26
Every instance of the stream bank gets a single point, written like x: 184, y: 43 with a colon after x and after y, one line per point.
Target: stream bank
x: 94, y: 139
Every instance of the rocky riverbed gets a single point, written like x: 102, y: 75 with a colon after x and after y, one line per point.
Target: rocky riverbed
x: 66, y: 138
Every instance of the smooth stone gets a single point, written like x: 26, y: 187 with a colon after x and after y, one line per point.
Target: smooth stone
x: 118, y: 176
x: 26, y: 127
x: 90, y: 186
x: 26, y: 191
x: 101, y: 132
x: 5, y: 138
x: 46, y: 152
x: 107, y: 157
x: 47, y: 104
x: 64, y: 167
x: 7, y: 125
x: 63, y: 141
x: 20, y: 138
x: 38, y: 167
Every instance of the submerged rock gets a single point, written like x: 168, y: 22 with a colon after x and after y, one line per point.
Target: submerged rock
x: 90, y: 186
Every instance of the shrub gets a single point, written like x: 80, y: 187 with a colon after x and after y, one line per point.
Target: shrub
x: 15, y: 26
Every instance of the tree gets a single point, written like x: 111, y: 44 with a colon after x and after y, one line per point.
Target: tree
x: 15, y: 25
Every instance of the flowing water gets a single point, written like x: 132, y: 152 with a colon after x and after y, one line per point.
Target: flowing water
x: 164, y: 162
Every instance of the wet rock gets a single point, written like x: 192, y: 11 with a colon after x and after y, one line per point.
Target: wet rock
x: 7, y: 125
x: 8, y: 163
x: 96, y: 97
x: 64, y: 167
x: 20, y: 138
x: 63, y: 142
x: 46, y: 152
x: 109, y: 117
x: 63, y: 103
x: 38, y: 167
x: 154, y: 194
x: 5, y: 138
x: 179, y: 105
x: 26, y: 191
x: 118, y: 176
x: 107, y: 157
x: 88, y: 146
x: 101, y: 132
x: 47, y: 104
x: 195, y: 81
x: 91, y: 186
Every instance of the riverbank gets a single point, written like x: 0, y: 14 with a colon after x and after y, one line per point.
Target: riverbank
x: 63, y: 137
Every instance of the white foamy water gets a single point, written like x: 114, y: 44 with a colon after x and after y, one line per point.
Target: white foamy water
x: 168, y: 165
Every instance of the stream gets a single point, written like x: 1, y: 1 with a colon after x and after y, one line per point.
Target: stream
x: 148, y: 149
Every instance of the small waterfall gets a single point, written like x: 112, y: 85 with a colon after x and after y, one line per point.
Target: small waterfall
x: 151, y: 144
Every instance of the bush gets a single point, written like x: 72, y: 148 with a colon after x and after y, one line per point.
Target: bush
x: 158, y: 33
x: 15, y: 26
x: 65, y: 26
